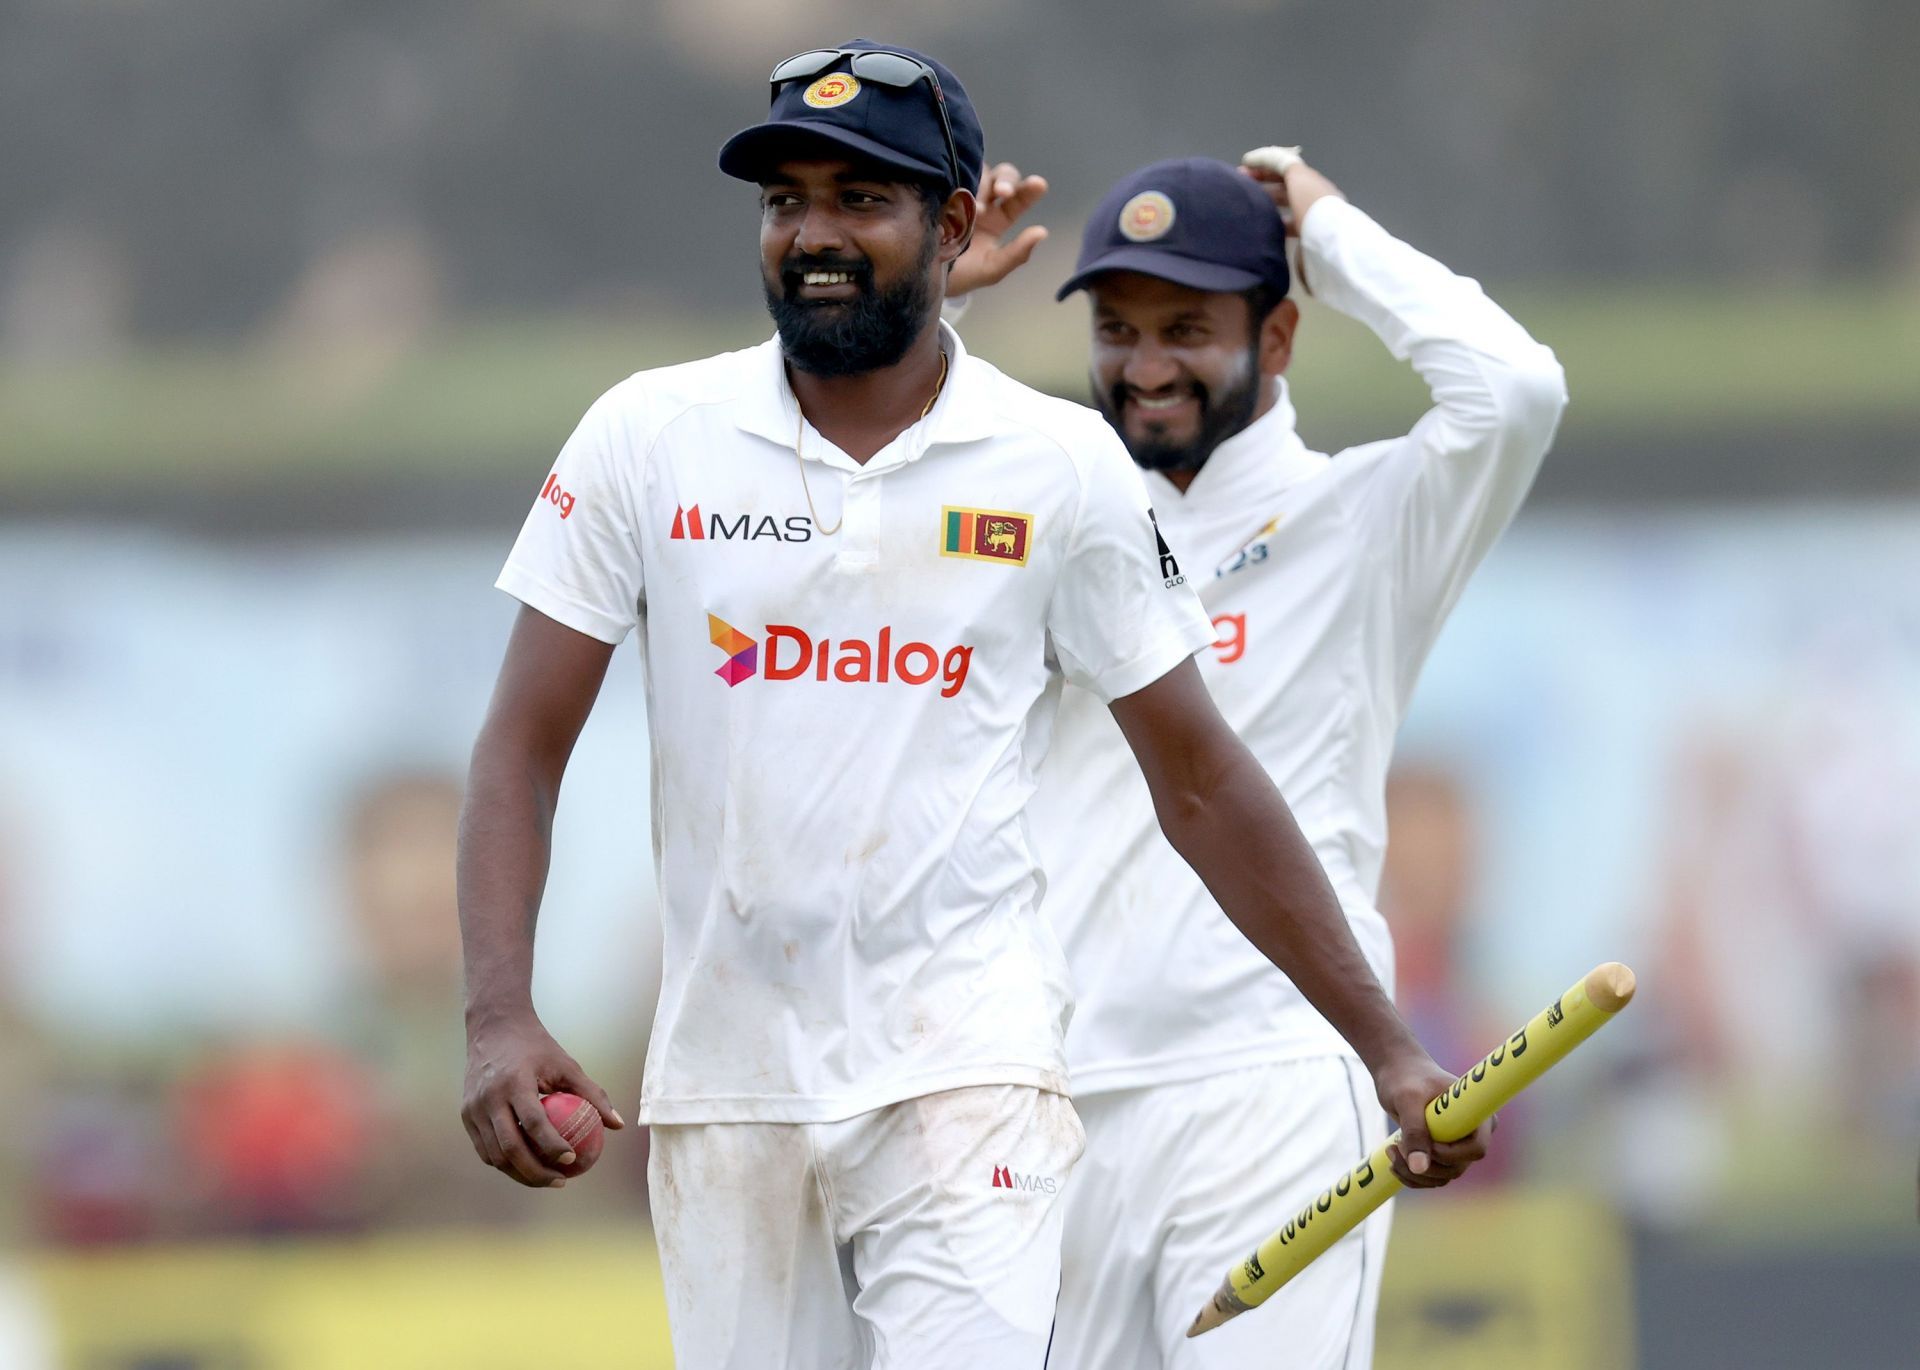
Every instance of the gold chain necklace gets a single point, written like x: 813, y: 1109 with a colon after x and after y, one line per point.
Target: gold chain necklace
x: 800, y: 430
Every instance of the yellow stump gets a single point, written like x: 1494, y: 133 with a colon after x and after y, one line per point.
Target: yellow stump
x: 1473, y: 1098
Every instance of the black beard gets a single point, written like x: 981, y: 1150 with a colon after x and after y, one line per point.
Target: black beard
x: 1221, y: 416
x: 868, y: 333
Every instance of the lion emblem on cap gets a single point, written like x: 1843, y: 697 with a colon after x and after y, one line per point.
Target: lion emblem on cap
x: 1146, y: 216
x: 836, y: 88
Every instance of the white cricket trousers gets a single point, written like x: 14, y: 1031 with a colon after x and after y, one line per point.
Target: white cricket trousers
x: 1182, y: 1180
x: 921, y: 1236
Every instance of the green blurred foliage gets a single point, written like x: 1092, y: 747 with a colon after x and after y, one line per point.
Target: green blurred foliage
x: 498, y: 398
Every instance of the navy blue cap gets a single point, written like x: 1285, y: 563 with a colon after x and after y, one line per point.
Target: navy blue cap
x: 1193, y: 221
x: 896, y: 126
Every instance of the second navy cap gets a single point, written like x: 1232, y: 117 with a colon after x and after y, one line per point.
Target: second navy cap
x: 1194, y: 221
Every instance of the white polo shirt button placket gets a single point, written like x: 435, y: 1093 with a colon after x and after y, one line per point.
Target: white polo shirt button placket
x: 860, y: 529
x: 846, y: 728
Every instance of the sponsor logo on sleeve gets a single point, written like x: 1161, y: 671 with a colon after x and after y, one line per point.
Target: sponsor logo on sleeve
x: 985, y: 534
x: 1169, y: 568
x: 691, y: 525
x: 554, y: 495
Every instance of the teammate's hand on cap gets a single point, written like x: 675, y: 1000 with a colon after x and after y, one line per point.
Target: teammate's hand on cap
x: 511, y: 1062
x: 991, y: 257
x: 1293, y: 186
x: 1405, y: 1089
x: 1290, y: 183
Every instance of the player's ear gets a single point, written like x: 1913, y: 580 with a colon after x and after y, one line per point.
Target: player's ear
x: 955, y: 223
x: 1275, y: 342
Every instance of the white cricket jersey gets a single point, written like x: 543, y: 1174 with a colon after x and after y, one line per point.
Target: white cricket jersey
x: 1327, y: 581
x: 846, y: 729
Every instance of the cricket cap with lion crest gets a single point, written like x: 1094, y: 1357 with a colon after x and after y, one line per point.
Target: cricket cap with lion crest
x: 1194, y: 221
x: 835, y: 113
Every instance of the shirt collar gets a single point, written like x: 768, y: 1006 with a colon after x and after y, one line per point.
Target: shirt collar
x: 1255, y: 464
x: 767, y: 407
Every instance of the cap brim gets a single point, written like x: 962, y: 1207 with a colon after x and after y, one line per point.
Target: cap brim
x: 752, y: 152
x: 1168, y: 266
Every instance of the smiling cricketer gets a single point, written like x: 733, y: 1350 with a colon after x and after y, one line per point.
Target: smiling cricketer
x: 858, y: 563
x: 1213, y: 1095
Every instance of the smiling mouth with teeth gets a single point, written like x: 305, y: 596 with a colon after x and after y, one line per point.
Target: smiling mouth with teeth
x: 1163, y: 402
x: 826, y: 277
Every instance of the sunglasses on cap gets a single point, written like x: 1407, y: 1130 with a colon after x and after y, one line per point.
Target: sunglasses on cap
x: 883, y: 68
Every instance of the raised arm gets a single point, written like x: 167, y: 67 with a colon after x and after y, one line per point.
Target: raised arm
x: 1442, y: 494
x: 546, y: 688
x: 996, y: 251
x: 1222, y: 814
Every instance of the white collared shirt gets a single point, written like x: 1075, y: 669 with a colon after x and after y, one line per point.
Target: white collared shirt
x: 1327, y: 581
x: 846, y: 729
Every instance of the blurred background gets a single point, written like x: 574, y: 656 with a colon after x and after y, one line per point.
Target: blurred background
x: 298, y: 298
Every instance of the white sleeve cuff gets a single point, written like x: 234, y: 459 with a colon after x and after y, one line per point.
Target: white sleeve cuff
x: 562, y: 608
x: 1168, y: 650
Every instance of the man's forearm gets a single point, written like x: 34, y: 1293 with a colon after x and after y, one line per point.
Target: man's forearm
x: 1239, y: 836
x: 506, y: 831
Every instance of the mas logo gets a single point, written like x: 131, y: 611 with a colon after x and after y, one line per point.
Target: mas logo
x: 1003, y: 1178
x: 688, y: 524
x: 985, y: 534
x: 834, y: 89
x: 1146, y: 216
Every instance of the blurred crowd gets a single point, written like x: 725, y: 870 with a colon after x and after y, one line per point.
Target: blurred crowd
x: 269, y: 1132
x: 1787, y: 943
x: 1776, y: 1044
x: 1783, y: 961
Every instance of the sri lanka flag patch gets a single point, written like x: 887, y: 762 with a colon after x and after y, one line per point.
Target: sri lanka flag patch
x: 985, y: 534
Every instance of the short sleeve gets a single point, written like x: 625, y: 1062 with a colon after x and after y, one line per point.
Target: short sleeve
x: 577, y: 559
x: 1122, y: 613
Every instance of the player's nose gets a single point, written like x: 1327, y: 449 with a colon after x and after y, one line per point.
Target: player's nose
x: 1149, y: 367
x: 821, y: 232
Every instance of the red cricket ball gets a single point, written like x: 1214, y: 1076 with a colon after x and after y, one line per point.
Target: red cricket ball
x: 578, y: 1122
